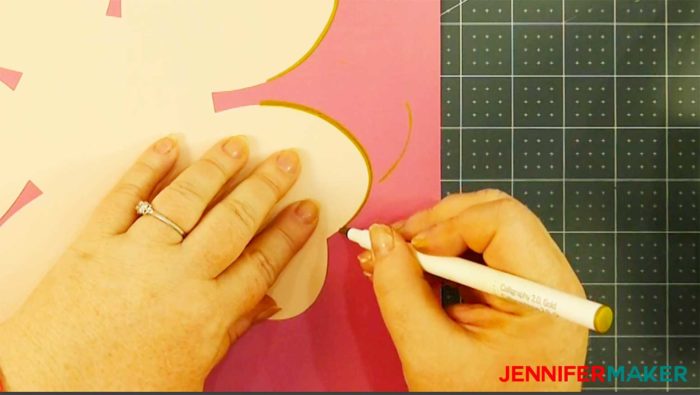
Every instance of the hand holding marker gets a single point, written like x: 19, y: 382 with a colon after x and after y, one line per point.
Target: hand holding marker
x: 592, y: 315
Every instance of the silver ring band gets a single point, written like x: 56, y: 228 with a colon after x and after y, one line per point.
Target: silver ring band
x: 146, y: 208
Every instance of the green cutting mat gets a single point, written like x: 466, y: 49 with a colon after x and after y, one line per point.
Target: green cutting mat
x: 588, y: 111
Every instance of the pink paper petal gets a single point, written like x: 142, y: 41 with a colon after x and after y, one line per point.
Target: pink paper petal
x: 10, y: 77
x: 28, y: 194
x: 114, y: 8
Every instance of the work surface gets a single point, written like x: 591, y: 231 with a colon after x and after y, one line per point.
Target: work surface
x: 588, y: 111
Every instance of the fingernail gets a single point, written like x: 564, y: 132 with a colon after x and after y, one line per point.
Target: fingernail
x: 288, y: 161
x: 382, y: 239
x: 236, y: 147
x: 268, y: 313
x: 307, y: 211
x: 365, y: 257
x: 165, y: 145
x: 420, y: 241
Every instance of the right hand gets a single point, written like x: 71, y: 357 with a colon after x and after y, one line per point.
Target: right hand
x: 467, y: 346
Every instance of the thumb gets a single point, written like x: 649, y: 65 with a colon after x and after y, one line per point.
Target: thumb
x: 407, y: 303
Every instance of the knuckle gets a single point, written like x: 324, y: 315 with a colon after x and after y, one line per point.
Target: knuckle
x: 510, y: 207
x: 453, y: 197
x: 264, y: 267
x: 285, y: 236
x: 187, y: 192
x: 213, y: 166
x: 270, y: 183
x: 213, y: 256
x: 432, y: 213
x: 494, y: 193
x: 513, y: 209
x: 144, y: 167
x: 128, y: 189
x: 243, y: 212
x: 381, y: 286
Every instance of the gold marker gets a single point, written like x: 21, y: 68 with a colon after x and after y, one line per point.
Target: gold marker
x: 592, y: 315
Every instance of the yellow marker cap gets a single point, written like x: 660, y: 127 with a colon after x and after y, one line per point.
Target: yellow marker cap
x: 603, y: 319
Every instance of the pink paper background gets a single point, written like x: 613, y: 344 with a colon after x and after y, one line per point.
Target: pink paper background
x: 378, y: 56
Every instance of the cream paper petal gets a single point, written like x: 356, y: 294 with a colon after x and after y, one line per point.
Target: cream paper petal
x: 101, y: 89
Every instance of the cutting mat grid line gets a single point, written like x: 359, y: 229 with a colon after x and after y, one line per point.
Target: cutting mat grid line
x: 588, y: 111
x: 573, y: 76
x: 563, y: 111
x: 573, y: 23
x: 615, y: 177
x: 668, y: 357
x: 569, y: 127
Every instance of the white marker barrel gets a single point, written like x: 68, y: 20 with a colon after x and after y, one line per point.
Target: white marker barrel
x: 582, y: 311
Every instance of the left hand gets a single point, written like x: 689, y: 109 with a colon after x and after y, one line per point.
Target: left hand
x: 133, y: 306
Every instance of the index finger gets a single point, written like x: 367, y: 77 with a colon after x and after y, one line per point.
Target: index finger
x: 510, y: 237
x: 447, y: 208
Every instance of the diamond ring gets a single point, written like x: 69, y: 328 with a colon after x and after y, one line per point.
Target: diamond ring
x: 146, y: 208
